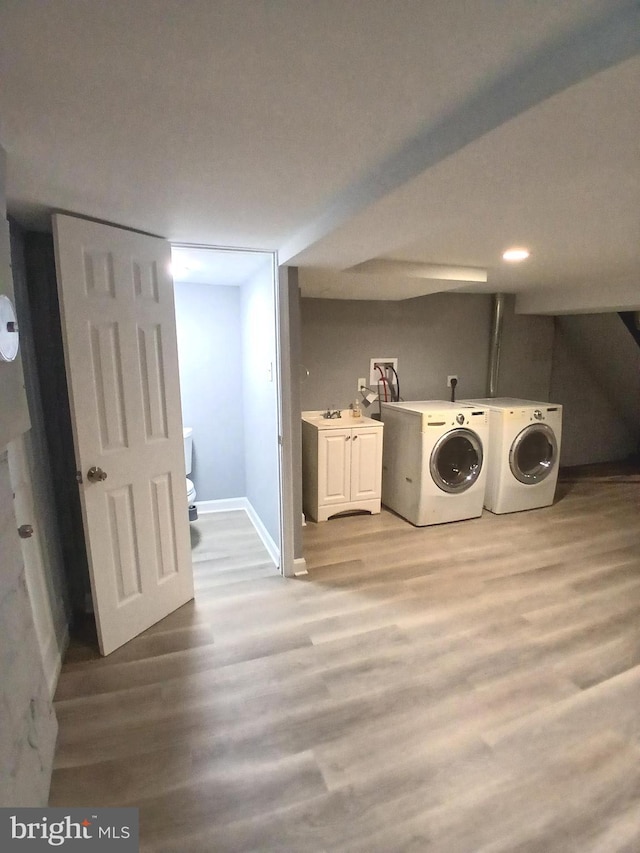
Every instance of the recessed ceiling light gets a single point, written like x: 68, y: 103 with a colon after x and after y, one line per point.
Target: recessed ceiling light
x: 515, y: 255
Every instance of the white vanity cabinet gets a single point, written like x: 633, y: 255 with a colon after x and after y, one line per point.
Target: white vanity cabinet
x: 341, y: 464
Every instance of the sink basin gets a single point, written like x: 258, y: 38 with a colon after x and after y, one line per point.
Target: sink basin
x: 346, y: 420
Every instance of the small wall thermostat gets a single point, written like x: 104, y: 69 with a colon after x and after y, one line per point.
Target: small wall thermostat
x: 8, y: 330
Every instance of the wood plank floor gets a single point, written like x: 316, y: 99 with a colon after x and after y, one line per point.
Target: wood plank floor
x: 466, y: 688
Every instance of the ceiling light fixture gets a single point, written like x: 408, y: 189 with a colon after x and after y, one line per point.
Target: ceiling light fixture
x: 515, y: 255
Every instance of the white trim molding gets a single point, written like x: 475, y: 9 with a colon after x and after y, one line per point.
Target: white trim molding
x: 221, y: 505
x: 263, y: 533
x: 300, y: 567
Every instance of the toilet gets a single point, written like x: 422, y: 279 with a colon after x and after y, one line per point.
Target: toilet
x: 187, y: 435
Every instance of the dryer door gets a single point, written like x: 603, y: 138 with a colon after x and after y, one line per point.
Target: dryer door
x: 456, y: 460
x: 533, y: 454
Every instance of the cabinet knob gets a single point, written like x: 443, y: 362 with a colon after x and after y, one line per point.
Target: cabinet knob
x: 355, y: 437
x: 347, y: 437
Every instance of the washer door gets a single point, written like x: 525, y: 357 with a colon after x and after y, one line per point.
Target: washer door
x: 533, y: 454
x: 456, y: 461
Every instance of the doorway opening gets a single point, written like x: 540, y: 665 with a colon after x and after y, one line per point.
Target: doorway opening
x: 226, y: 323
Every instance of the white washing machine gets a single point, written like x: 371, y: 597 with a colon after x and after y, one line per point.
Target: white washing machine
x: 524, y: 453
x: 433, y: 467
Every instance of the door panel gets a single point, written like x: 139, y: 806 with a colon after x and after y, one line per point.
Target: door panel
x: 107, y: 379
x: 116, y: 301
x: 153, y: 387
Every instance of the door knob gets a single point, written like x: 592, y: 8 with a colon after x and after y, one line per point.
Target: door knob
x: 96, y: 475
x: 25, y: 531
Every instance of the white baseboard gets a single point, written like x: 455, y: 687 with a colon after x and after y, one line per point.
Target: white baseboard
x: 263, y: 533
x: 229, y: 504
x: 52, y: 658
x: 222, y: 505
x: 299, y: 567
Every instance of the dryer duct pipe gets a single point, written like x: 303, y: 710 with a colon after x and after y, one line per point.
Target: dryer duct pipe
x: 497, y: 318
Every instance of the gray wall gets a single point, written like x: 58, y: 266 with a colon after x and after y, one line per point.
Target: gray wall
x: 596, y: 377
x: 526, y: 355
x: 208, y: 319
x: 260, y: 397
x: 432, y: 337
x: 27, y: 721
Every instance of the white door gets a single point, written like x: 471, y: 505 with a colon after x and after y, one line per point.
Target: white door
x: 334, y: 466
x: 366, y: 463
x: 118, y: 322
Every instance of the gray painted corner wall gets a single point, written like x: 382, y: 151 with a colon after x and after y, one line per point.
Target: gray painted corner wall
x: 209, y: 328
x: 588, y: 363
x: 526, y: 355
x: 432, y: 336
x: 596, y: 377
x: 262, y: 463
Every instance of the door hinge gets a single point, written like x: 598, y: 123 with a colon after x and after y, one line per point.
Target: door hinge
x: 79, y: 477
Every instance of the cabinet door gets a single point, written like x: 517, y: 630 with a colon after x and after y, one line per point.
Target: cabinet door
x: 334, y: 465
x: 366, y: 463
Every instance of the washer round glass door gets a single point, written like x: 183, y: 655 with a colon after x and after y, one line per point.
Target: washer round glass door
x: 533, y: 454
x: 456, y: 460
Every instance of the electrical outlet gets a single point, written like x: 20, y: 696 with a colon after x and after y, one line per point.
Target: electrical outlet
x: 449, y: 378
x: 362, y: 383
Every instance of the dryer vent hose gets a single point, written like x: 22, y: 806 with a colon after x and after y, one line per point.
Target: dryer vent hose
x: 454, y: 382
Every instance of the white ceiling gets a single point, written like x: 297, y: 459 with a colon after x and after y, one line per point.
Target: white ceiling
x: 342, y: 131
x: 214, y: 266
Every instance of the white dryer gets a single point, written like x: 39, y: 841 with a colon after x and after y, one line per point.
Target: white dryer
x: 524, y: 453
x: 433, y: 460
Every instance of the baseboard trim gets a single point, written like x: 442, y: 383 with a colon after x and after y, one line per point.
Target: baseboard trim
x: 299, y: 567
x: 263, y: 533
x: 53, y: 657
x: 222, y: 505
